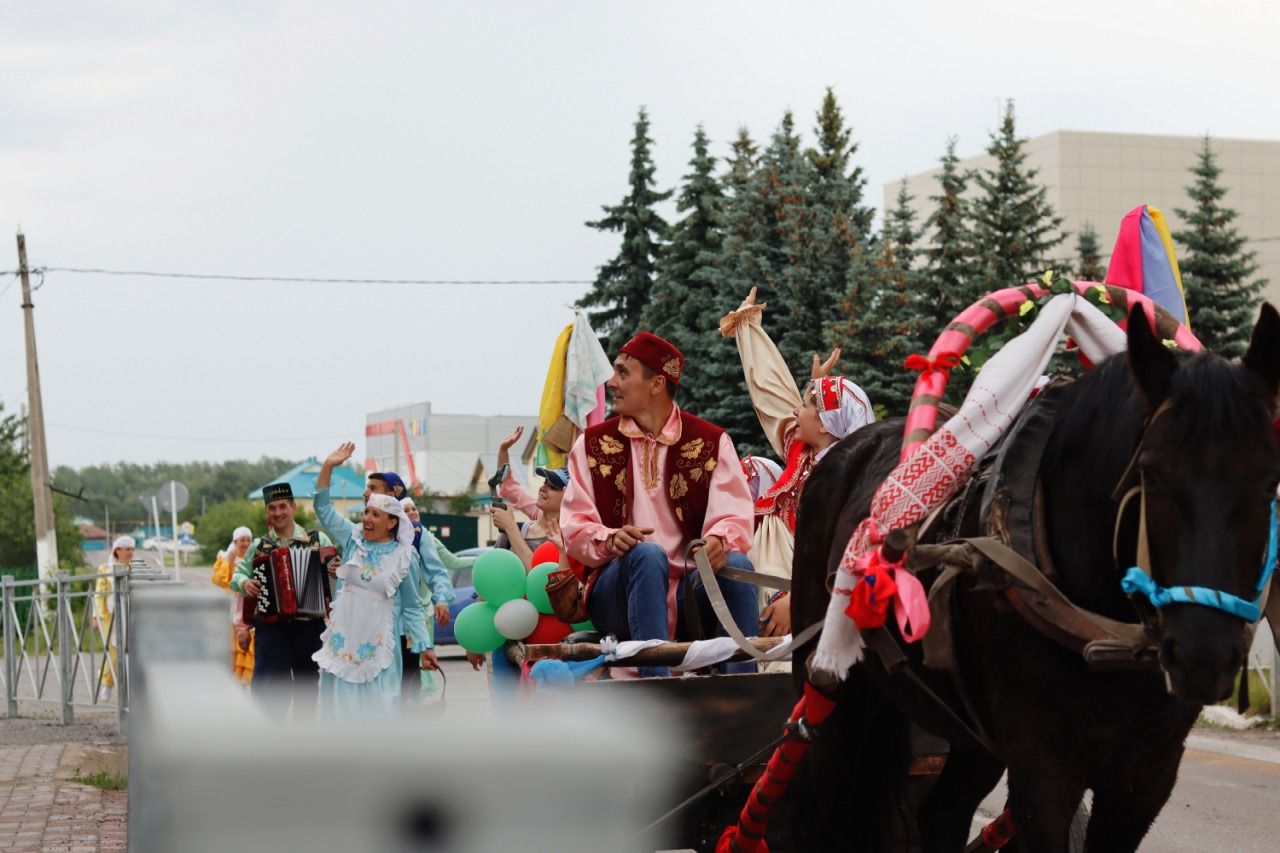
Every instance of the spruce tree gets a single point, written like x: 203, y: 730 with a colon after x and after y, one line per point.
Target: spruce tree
x: 1014, y: 224
x: 1088, y: 255
x: 948, y: 280
x: 623, y: 284
x: 763, y: 217
x: 686, y: 305
x: 823, y: 244
x: 1216, y: 270
x: 877, y: 338
x: 900, y: 228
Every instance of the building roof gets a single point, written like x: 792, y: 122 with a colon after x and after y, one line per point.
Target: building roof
x: 92, y: 531
x: 346, y: 485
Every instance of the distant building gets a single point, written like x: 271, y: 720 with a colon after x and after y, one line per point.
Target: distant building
x: 346, y: 489
x: 1099, y: 177
x: 445, y: 454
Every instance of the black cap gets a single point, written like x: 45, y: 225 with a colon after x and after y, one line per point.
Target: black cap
x: 277, y: 492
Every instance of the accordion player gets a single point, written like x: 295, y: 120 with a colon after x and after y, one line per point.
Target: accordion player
x: 294, y: 582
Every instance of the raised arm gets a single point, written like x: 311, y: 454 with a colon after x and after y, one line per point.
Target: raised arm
x: 338, y: 528
x: 515, y: 493
x: 769, y: 382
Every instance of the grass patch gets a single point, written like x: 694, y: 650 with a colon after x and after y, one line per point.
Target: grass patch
x: 1259, y: 701
x: 104, y: 780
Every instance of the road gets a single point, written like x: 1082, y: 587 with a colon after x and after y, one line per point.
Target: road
x: 1227, y: 797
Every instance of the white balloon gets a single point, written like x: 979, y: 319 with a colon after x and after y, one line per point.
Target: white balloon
x: 516, y: 619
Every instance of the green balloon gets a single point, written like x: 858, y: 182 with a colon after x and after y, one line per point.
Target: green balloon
x: 583, y: 626
x: 474, y: 628
x: 498, y: 576
x: 536, y: 587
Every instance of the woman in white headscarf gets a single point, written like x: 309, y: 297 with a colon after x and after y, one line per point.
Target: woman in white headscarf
x: 801, y: 428
x: 104, y: 606
x: 376, y: 603
x: 241, y: 633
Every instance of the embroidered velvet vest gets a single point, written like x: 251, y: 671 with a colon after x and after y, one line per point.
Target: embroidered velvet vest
x: 686, y: 480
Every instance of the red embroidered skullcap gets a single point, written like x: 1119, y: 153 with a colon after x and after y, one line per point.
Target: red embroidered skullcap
x: 657, y: 354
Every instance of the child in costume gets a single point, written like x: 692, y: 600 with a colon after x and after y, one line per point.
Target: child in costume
x: 224, y: 567
x: 801, y: 428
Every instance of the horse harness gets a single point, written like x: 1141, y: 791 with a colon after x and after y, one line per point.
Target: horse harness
x: 1012, y: 559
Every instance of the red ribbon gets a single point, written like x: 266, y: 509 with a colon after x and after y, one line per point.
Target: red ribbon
x: 871, y: 599
x: 921, y: 364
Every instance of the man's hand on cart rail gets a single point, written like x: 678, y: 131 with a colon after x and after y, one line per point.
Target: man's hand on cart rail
x: 627, y: 537
x: 775, y: 620
x: 716, y: 554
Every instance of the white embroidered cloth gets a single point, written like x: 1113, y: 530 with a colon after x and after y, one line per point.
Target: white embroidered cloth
x: 938, y: 469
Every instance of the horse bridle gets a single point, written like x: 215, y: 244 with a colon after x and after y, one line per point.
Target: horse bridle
x: 1139, y: 583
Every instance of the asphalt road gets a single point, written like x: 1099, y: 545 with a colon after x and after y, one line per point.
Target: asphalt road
x: 1227, y: 797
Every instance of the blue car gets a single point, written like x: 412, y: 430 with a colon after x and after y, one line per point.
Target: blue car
x: 464, y: 593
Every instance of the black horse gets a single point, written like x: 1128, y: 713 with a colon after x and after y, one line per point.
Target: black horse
x: 1210, y: 463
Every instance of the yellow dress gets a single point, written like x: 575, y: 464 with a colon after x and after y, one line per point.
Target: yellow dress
x: 241, y: 661
x: 103, y: 607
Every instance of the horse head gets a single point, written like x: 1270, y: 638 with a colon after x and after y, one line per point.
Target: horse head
x: 1209, y: 464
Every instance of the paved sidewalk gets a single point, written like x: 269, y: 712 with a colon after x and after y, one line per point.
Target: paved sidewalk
x: 40, y: 810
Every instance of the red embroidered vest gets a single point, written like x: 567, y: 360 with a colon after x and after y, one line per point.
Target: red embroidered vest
x: 686, y: 480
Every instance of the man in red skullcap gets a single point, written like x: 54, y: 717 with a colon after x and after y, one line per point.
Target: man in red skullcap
x: 644, y: 484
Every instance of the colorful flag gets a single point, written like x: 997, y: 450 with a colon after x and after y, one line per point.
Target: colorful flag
x: 1144, y: 260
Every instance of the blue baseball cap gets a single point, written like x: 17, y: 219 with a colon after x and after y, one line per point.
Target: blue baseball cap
x: 557, y: 478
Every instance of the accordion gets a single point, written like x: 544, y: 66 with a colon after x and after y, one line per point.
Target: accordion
x: 294, y: 582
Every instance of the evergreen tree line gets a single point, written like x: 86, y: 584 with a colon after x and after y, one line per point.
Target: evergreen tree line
x: 115, y: 489
x: 792, y: 220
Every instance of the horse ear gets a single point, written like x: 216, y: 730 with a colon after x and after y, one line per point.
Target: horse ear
x: 1263, y: 358
x: 1150, y: 361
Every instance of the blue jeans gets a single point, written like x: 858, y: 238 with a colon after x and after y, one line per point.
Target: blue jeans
x: 629, y: 600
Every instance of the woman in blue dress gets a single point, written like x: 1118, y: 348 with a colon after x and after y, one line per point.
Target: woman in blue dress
x: 376, y: 602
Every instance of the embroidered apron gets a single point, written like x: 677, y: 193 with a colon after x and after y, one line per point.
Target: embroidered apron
x: 360, y: 640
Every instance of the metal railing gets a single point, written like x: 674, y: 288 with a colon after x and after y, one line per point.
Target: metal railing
x: 56, y: 649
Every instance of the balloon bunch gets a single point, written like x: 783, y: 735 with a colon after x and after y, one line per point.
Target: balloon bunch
x: 514, y: 604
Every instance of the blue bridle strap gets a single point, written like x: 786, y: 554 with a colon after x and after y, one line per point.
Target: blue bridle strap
x: 1137, y: 581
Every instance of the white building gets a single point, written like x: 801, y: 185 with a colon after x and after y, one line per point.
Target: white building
x: 1097, y: 178
x: 441, y: 452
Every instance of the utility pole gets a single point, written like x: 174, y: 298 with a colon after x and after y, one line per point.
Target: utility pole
x: 46, y: 537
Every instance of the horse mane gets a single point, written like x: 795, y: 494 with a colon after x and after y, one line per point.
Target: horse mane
x: 1215, y: 399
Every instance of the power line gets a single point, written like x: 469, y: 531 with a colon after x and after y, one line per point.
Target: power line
x: 235, y: 440
x: 300, y: 279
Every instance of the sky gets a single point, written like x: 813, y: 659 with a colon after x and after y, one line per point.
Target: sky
x: 433, y: 140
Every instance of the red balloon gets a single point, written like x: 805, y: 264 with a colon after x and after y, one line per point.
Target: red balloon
x: 547, y: 552
x: 549, y: 630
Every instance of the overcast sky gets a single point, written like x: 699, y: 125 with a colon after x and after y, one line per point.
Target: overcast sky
x: 467, y: 141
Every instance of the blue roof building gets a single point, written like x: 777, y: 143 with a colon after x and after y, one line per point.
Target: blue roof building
x: 346, y: 490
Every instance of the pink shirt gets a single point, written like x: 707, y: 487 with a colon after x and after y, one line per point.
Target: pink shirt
x: 730, y: 512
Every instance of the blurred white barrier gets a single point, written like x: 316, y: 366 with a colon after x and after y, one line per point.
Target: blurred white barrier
x: 209, y: 771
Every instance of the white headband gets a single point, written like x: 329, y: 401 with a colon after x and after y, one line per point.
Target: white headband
x: 123, y: 542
